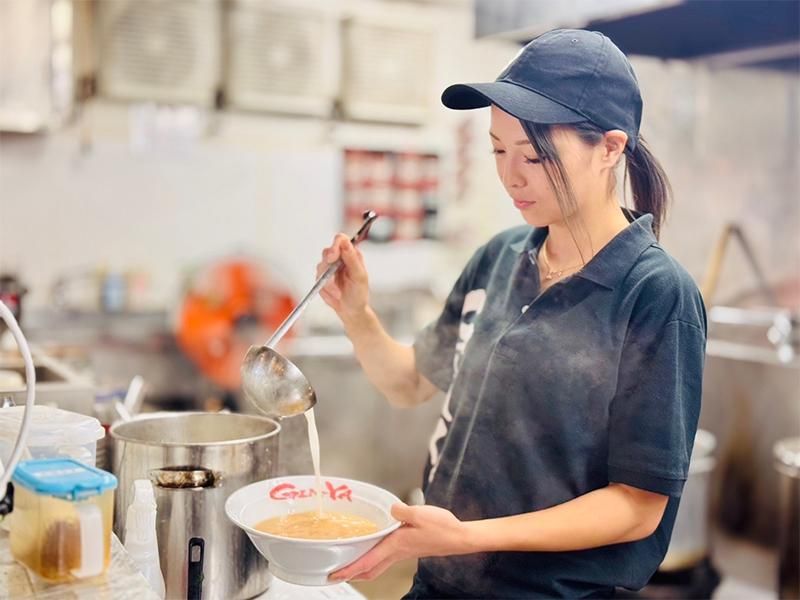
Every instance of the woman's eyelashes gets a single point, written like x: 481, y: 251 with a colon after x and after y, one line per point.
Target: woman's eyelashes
x: 528, y: 160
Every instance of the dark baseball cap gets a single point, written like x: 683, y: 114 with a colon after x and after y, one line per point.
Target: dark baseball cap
x: 562, y: 76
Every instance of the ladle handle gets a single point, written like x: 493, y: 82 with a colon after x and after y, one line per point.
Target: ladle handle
x: 369, y: 217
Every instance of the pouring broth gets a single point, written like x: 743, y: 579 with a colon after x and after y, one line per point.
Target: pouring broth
x: 315, y: 525
x: 313, y: 443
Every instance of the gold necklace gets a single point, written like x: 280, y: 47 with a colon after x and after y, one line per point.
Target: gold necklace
x: 552, y: 272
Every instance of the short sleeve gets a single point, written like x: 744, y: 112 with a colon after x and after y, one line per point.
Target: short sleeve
x: 434, y: 346
x: 654, y: 414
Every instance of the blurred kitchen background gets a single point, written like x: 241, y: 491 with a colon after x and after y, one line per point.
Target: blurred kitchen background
x: 170, y: 171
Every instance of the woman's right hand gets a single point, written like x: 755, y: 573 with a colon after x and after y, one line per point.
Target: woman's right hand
x: 347, y: 292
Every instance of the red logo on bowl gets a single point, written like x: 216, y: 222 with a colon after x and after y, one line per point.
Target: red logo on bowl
x: 289, y: 491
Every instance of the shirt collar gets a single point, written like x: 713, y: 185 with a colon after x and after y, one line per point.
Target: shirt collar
x: 609, y: 266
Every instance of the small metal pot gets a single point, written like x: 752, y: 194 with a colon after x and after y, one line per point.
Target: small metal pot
x: 195, y: 461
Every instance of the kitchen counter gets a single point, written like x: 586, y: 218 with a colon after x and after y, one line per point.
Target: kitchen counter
x: 121, y: 581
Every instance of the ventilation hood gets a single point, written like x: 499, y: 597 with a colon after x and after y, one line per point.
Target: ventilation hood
x: 721, y: 33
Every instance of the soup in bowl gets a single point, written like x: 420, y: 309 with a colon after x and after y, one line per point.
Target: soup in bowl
x: 281, y: 517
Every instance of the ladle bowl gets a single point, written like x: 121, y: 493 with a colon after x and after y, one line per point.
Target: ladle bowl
x: 272, y: 382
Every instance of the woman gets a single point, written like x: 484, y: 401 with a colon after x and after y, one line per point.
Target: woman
x: 570, y: 349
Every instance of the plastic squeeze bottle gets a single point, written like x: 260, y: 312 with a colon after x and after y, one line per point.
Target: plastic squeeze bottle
x: 140, y: 535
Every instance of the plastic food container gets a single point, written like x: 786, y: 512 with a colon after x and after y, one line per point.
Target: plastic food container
x: 61, y: 523
x: 302, y: 561
x: 53, y: 433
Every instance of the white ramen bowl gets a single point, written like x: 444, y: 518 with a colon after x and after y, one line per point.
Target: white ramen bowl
x: 302, y: 561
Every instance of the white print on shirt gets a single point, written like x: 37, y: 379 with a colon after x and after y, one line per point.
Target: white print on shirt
x: 473, y: 305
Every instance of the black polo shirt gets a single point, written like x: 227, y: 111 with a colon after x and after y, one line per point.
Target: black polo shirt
x: 553, y: 394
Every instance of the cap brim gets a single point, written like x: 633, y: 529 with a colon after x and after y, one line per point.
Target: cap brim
x: 515, y: 100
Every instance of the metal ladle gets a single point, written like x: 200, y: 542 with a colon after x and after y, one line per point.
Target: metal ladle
x: 271, y: 381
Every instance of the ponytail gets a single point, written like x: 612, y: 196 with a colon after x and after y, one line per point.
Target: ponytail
x: 650, y: 187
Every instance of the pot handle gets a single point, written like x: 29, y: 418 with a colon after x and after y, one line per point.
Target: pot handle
x: 194, y: 574
x: 184, y: 477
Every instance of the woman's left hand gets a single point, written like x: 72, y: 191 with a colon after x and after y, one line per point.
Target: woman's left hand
x: 426, y: 531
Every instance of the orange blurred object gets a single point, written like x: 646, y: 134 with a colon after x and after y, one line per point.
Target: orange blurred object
x: 229, y: 307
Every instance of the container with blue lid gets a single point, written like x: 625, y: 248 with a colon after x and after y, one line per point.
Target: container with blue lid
x: 61, y: 522
x: 64, y: 478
